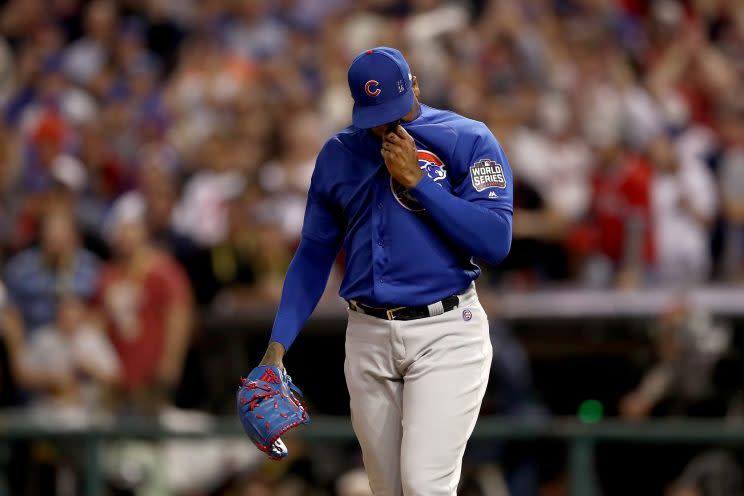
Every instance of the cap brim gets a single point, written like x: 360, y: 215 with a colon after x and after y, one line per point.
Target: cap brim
x: 377, y: 115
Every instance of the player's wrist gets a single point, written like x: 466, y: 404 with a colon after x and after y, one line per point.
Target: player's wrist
x: 413, y: 179
x: 274, y: 355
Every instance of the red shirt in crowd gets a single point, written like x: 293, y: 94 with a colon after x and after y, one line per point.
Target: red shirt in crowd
x: 618, y: 194
x: 137, y: 310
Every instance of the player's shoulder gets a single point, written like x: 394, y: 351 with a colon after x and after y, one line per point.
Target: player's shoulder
x: 341, y: 144
x: 344, y: 147
x: 457, y: 122
x: 467, y: 130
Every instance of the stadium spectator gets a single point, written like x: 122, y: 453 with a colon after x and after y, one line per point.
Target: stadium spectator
x: 66, y: 366
x: 10, y: 197
x: 99, y: 83
x: 713, y: 473
x: 682, y: 382
x: 287, y: 178
x: 731, y: 164
x: 146, y: 300
x: 106, y: 175
x: 683, y: 203
x: 227, y: 269
x: 201, y: 215
x: 37, y: 276
x: 689, y: 344
x: 157, y: 185
x: 85, y: 58
x: 554, y: 150
x: 622, y: 216
x: 45, y: 143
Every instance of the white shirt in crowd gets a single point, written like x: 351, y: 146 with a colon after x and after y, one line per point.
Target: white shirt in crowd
x: 681, y: 202
x: 202, y: 212
x: 560, y: 170
x: 50, y: 350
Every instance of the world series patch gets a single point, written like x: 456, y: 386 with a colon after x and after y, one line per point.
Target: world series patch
x: 486, y: 174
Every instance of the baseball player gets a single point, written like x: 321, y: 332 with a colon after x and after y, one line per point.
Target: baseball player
x: 412, y: 194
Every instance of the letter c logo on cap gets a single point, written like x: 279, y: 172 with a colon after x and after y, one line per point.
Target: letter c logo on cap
x: 368, y: 88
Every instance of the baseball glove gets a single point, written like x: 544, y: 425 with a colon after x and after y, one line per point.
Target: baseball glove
x: 269, y: 405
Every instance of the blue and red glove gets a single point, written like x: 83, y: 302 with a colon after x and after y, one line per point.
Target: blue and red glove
x: 269, y: 405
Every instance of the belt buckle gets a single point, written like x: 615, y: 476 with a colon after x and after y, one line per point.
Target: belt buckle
x: 391, y: 312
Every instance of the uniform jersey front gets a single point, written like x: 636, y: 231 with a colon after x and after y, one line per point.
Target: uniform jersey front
x: 394, y: 253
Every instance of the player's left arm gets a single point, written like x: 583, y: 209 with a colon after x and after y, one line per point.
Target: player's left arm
x: 477, y: 215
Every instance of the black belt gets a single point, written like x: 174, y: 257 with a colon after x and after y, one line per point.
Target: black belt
x: 403, y: 313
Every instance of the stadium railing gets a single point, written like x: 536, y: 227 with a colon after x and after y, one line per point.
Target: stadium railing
x: 581, y: 438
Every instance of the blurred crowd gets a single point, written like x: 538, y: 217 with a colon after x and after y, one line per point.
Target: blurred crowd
x: 155, y: 157
x: 623, y: 121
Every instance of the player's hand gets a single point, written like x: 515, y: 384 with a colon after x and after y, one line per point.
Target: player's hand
x: 399, y: 152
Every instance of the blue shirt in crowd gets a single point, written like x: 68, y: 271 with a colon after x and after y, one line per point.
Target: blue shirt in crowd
x: 34, y: 285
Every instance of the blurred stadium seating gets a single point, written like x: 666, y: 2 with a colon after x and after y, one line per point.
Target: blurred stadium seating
x: 154, y: 162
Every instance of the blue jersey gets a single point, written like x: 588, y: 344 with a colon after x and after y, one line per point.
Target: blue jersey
x: 395, y: 255
x: 403, y: 248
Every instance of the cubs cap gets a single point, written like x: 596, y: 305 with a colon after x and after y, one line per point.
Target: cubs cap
x: 382, y: 87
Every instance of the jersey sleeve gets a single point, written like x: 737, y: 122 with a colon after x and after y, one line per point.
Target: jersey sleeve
x: 322, y: 219
x: 304, y: 284
x: 487, y: 178
x: 477, y: 215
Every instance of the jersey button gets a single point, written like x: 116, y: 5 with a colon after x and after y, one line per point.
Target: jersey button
x: 380, y: 243
x: 379, y: 205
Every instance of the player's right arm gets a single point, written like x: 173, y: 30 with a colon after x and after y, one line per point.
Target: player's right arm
x: 307, y: 276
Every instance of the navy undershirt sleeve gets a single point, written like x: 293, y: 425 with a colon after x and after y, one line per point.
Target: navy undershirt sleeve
x: 482, y: 232
x: 304, y: 284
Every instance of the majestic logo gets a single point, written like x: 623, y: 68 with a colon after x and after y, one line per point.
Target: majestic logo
x: 432, y: 166
x: 486, y: 174
x: 368, y: 88
x: 467, y: 315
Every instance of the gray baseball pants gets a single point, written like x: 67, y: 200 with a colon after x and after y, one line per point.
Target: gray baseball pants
x: 416, y: 389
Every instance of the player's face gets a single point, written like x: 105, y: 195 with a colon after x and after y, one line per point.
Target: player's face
x: 379, y: 131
